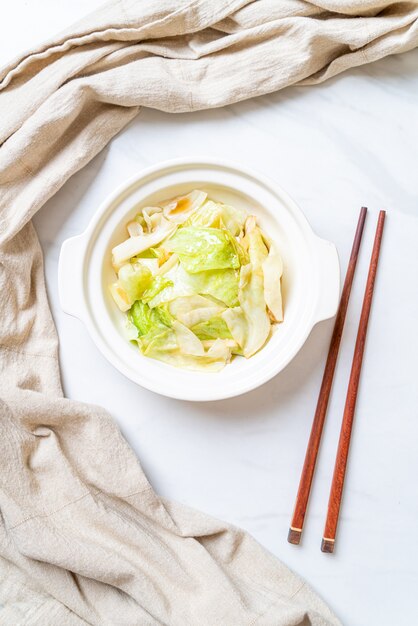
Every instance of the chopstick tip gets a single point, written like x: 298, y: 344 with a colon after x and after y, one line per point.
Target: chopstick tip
x: 362, y: 217
x: 327, y: 545
x: 294, y: 536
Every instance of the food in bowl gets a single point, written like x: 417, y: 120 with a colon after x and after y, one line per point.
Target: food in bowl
x: 199, y: 282
x: 310, y: 282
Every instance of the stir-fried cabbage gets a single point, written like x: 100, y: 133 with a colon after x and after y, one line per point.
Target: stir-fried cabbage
x: 201, y: 249
x: 199, y: 282
x: 134, y: 280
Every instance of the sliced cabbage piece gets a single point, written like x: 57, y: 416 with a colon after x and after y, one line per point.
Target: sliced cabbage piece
x: 249, y: 323
x: 168, y: 264
x: 177, y: 285
x: 134, y: 228
x: 176, y: 346
x: 195, y: 309
x: 135, y: 245
x: 229, y: 343
x: 151, y: 253
x: 212, y: 329
x: 131, y: 331
x: 237, y: 324
x: 160, y: 340
x: 207, y: 216
x: 151, y: 264
x: 233, y: 219
x: 263, y: 253
x: 187, y: 341
x: 257, y: 249
x: 272, y: 272
x: 134, y: 280
x: 219, y: 284
x: 201, y: 249
x: 149, y: 320
x: 218, y: 215
x: 178, y: 209
x: 220, y: 349
x: 153, y: 218
x: 158, y: 284
x: 149, y: 211
x: 251, y: 297
x: 207, y: 363
x: 120, y: 296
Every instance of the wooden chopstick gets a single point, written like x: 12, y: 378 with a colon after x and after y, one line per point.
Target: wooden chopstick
x: 296, y: 527
x: 328, y: 541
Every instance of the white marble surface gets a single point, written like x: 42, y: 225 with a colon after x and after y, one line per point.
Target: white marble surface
x: 351, y: 141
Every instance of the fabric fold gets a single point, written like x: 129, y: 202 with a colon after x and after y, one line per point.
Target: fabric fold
x: 84, y: 539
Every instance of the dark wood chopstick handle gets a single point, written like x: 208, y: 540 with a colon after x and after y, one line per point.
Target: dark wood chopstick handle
x: 340, y: 467
x: 308, y: 470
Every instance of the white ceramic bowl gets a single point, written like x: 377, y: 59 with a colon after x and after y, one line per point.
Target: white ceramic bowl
x: 311, y: 277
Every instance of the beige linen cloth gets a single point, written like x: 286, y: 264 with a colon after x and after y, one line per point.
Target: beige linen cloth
x: 83, y: 536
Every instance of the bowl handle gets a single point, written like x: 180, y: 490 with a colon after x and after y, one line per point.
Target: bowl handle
x: 70, y: 276
x: 329, y: 275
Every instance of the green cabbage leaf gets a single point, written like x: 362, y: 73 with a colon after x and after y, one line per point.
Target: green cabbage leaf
x: 201, y: 249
